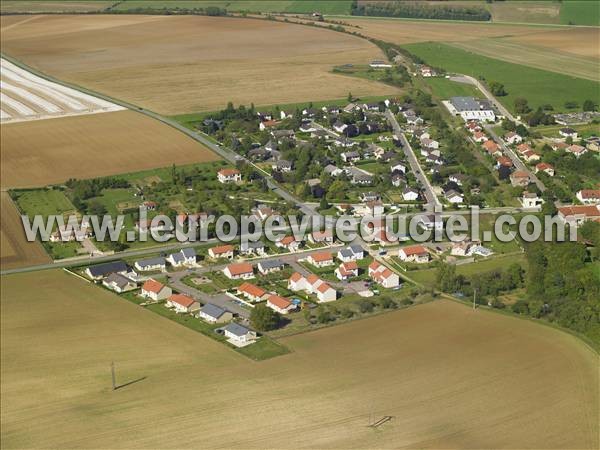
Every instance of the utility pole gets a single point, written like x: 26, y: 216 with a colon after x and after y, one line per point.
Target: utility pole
x: 114, y: 379
x: 474, y: 295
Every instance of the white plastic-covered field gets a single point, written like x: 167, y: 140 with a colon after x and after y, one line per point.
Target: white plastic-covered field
x: 25, y: 96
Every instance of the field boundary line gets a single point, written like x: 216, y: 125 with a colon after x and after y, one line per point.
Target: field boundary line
x: 70, y: 272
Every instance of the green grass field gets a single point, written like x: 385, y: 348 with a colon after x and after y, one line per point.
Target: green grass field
x: 539, y: 87
x: 580, y: 12
x: 444, y: 88
x: 282, y: 6
x: 44, y: 202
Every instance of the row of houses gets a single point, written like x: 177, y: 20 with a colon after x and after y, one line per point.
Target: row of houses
x: 245, y: 270
x: 312, y: 284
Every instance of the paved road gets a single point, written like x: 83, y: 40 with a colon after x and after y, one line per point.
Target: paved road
x: 520, y: 165
x: 432, y: 200
x: 318, y: 126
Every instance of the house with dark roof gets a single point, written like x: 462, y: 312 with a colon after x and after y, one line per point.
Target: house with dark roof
x: 239, y: 335
x: 101, y: 270
x: 119, y: 283
x: 150, y: 264
x: 184, y: 257
x: 214, y: 314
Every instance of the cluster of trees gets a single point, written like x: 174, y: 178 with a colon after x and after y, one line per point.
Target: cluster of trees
x: 562, y: 286
x: 420, y: 11
x: 487, y: 285
x: 574, y: 172
x: 497, y: 89
x: 330, y: 313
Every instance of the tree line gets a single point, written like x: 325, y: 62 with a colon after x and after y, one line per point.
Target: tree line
x: 421, y: 11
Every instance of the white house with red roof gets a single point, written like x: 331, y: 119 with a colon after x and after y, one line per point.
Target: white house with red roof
x: 239, y: 271
x: 320, y: 259
x: 280, y: 304
x: 545, y: 167
x: 382, y: 275
x: 575, y: 215
x: 229, y: 175
x: 221, y: 251
x: 576, y: 150
x: 312, y: 284
x: 346, y: 270
x: 479, y: 137
x: 251, y: 292
x: 317, y: 237
x: 289, y: 243
x: 414, y: 253
x: 155, y: 290
x: 588, y: 196
x: 182, y: 304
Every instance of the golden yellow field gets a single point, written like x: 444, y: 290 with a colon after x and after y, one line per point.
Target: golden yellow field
x: 178, y: 64
x: 450, y: 377
x: 15, y: 251
x: 53, y: 150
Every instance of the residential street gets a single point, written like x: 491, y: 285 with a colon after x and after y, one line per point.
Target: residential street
x: 520, y: 165
x: 415, y: 166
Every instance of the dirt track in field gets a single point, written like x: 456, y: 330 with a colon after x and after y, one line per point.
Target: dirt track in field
x: 53, y: 150
x: 15, y: 251
x: 449, y: 376
x: 182, y: 64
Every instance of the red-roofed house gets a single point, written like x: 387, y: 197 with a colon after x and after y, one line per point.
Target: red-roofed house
x: 251, y: 292
x: 577, y: 214
x: 479, y: 136
x: 522, y: 148
x: 504, y: 161
x: 519, y: 178
x: 280, y: 304
x: 347, y: 270
x: 221, y: 251
x: 289, y: 243
x: 492, y: 148
x: 239, y: 271
x: 383, y: 276
x: 325, y: 236
x: 229, y: 176
x: 577, y: 150
x: 182, y: 303
x: 588, y: 196
x: 155, y: 290
x: 321, y: 259
x: 545, y: 167
x: 312, y: 284
x: 414, y: 253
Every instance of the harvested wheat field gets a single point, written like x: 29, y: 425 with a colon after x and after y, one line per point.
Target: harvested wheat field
x: 583, y: 41
x: 178, y: 64
x: 12, y: 6
x: 52, y: 151
x: 450, y: 378
x: 15, y: 250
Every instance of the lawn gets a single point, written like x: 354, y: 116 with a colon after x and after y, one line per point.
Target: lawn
x: 427, y: 276
x: 579, y: 12
x: 539, y: 87
x: 43, y: 202
x: 443, y: 88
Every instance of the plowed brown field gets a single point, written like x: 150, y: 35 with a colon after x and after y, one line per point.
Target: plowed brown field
x: 450, y: 377
x: 177, y: 64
